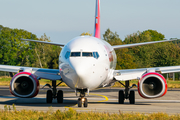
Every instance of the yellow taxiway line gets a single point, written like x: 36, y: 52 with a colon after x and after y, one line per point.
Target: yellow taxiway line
x: 106, y: 99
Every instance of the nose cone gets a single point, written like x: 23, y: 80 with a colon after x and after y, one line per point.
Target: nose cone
x: 84, y: 72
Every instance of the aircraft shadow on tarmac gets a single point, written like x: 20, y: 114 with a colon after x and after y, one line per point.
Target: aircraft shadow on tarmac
x: 41, y: 102
x: 73, y: 102
x: 38, y: 102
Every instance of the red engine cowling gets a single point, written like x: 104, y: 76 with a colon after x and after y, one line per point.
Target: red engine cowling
x: 24, y: 85
x: 152, y: 85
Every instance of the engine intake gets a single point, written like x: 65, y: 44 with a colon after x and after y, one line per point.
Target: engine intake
x: 24, y: 85
x: 152, y: 85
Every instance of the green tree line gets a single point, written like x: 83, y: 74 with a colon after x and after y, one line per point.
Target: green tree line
x: 16, y: 52
x: 155, y: 55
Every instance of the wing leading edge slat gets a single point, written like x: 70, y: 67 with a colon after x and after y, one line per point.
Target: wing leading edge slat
x: 50, y: 74
x: 130, y: 74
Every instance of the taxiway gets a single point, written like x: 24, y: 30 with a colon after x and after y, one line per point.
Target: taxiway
x: 102, y: 100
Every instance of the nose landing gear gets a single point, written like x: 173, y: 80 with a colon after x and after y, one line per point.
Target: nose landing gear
x: 82, y: 99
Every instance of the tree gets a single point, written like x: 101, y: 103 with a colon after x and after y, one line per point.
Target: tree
x: 124, y: 60
x: 87, y: 33
x: 13, y: 50
x: 161, y: 54
x: 16, y: 52
x: 47, y: 56
x: 145, y: 36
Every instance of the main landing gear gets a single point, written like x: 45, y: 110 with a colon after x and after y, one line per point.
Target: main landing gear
x: 53, y: 94
x: 82, y: 100
x: 126, y: 94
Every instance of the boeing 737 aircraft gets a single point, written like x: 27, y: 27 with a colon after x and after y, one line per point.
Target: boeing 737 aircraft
x: 87, y: 63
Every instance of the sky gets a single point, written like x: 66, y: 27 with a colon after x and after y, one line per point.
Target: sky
x: 62, y: 20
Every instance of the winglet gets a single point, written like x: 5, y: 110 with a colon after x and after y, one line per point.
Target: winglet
x: 97, y: 20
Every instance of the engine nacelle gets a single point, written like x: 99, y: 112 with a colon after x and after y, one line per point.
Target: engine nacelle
x: 152, y: 85
x: 24, y: 85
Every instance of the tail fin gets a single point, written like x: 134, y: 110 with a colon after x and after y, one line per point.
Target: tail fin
x: 97, y: 20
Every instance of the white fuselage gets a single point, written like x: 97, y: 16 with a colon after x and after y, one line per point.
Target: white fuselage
x: 87, y: 63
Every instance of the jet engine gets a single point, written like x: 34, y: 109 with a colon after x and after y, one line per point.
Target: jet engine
x: 152, y: 85
x: 24, y: 85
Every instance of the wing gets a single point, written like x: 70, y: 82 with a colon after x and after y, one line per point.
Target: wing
x: 130, y: 74
x: 51, y: 43
x: 140, y: 44
x: 50, y: 74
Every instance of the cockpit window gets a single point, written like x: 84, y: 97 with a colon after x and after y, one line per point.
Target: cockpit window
x: 75, y: 54
x: 84, y: 54
x: 87, y: 54
x: 95, y: 55
x: 67, y: 54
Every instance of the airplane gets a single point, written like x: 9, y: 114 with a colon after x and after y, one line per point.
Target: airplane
x: 87, y: 63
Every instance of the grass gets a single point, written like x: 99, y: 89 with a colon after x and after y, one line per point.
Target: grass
x: 12, y: 114
x: 5, y: 81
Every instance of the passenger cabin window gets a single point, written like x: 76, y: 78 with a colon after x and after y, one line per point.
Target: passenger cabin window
x: 75, y: 54
x: 67, y: 54
x: 87, y: 54
x: 95, y: 55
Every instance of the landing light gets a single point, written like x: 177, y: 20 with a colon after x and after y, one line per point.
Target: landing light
x: 83, y: 99
x: 117, y: 74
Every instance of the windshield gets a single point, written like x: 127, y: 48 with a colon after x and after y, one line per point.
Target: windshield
x: 87, y: 54
x: 84, y: 54
x: 75, y: 54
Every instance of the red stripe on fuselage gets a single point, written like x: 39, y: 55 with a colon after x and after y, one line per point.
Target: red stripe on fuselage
x: 110, y: 55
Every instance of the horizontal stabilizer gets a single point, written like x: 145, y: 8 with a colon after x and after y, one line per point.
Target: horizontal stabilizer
x: 140, y: 44
x: 51, y: 43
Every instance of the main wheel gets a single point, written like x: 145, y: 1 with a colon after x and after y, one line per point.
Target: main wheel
x: 121, y: 97
x: 79, y: 102
x: 60, y: 96
x: 132, y: 97
x: 85, y: 102
x: 49, y: 96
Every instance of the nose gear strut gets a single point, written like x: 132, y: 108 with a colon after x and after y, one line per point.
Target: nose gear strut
x: 82, y: 99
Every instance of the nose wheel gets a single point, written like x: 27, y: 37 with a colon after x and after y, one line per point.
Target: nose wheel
x: 82, y: 100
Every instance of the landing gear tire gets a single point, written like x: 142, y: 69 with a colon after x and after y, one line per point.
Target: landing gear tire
x: 85, y: 102
x: 132, y: 97
x: 79, y: 102
x: 60, y: 96
x: 49, y: 96
x: 121, y: 97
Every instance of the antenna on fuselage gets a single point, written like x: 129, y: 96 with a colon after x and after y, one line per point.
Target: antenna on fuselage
x: 97, y: 20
